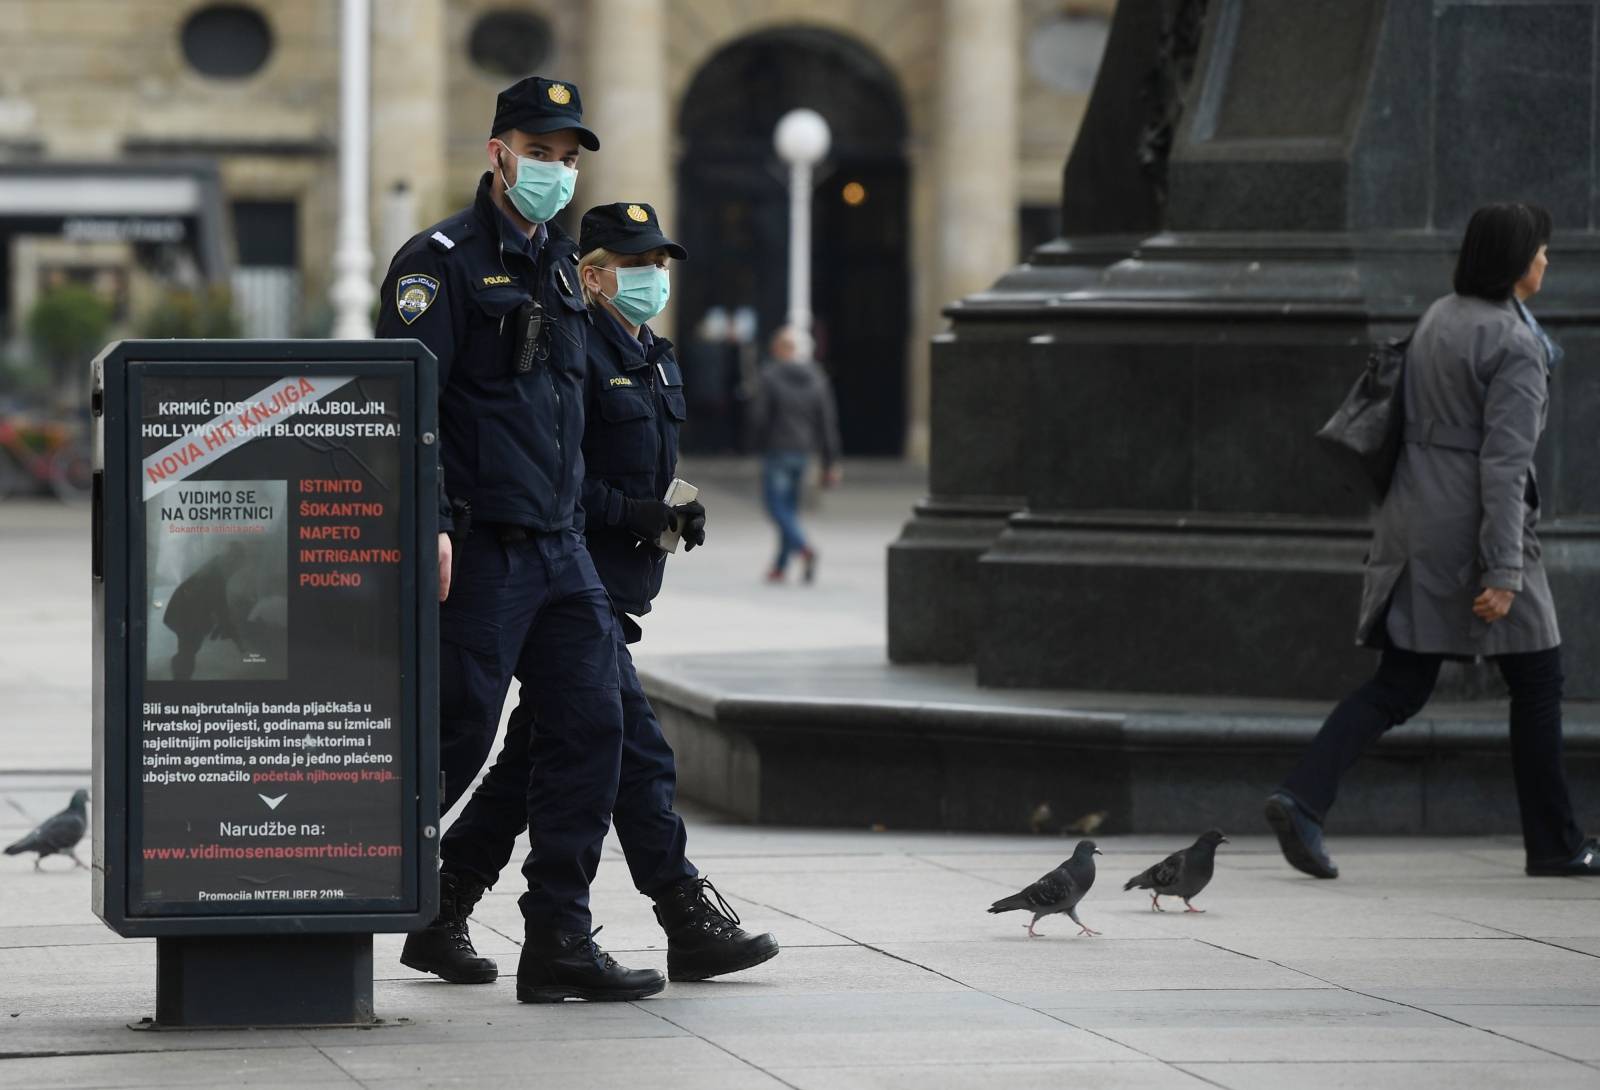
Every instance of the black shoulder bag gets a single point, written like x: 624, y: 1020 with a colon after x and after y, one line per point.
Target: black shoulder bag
x: 1366, y: 431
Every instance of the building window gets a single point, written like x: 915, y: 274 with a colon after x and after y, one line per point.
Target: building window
x: 266, y: 280
x: 1064, y: 50
x: 227, y: 41
x: 509, y: 42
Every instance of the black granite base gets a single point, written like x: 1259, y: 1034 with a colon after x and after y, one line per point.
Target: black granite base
x: 925, y: 748
x: 933, y: 579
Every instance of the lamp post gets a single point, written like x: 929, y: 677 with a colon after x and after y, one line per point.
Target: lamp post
x: 352, y: 292
x: 802, y: 139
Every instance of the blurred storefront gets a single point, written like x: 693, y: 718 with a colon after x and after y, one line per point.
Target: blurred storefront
x: 152, y: 147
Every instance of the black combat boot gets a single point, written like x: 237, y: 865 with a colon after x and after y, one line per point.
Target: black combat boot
x: 444, y: 948
x: 559, y: 965
x: 703, y: 937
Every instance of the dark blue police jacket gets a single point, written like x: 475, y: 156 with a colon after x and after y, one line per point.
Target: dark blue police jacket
x: 511, y: 442
x: 634, y: 406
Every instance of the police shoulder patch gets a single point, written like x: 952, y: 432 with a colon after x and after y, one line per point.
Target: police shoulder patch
x: 414, y: 293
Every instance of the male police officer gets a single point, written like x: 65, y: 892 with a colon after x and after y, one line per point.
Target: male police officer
x: 634, y: 405
x: 493, y: 292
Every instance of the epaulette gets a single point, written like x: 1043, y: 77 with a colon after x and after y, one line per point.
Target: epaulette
x: 445, y: 236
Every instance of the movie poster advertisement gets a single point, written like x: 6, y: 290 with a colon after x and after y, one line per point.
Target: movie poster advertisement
x: 270, y: 741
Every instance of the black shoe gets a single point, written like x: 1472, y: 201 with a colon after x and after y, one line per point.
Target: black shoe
x: 1587, y: 861
x: 444, y: 948
x: 1300, y: 837
x: 703, y: 938
x: 808, y: 567
x: 559, y: 965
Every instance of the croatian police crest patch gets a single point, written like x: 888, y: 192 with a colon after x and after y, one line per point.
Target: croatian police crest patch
x: 413, y: 295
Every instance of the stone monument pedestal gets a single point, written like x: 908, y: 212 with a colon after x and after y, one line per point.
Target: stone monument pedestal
x: 1125, y: 490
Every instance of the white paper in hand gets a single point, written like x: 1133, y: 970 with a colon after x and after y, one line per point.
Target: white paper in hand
x: 679, y: 491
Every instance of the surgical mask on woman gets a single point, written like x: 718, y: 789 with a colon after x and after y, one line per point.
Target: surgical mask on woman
x: 542, y: 189
x: 642, y: 292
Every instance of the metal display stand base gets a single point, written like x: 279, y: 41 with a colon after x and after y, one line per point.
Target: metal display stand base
x: 264, y: 980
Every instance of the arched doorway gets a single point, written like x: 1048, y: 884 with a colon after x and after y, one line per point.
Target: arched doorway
x: 733, y: 210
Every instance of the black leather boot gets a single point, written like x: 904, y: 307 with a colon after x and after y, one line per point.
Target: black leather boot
x: 559, y: 965
x: 444, y: 948
x: 703, y: 937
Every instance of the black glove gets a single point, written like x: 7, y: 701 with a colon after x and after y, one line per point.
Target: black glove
x: 647, y: 519
x: 691, y: 518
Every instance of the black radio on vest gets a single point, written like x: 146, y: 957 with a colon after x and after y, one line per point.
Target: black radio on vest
x: 530, y: 319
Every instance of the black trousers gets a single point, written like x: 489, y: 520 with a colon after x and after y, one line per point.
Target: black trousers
x: 1402, y: 685
x: 481, y: 841
x: 533, y: 608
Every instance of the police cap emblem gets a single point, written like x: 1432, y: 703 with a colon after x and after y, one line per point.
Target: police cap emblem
x: 559, y: 93
x: 637, y: 214
x: 414, y: 293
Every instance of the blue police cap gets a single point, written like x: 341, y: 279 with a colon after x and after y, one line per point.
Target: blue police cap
x: 537, y: 104
x: 625, y: 228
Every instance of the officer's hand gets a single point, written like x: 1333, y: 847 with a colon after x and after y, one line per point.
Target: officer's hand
x: 445, y: 557
x: 1493, y: 604
x: 692, y: 522
x: 647, y: 519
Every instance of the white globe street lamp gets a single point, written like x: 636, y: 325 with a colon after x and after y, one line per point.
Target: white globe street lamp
x: 801, y: 138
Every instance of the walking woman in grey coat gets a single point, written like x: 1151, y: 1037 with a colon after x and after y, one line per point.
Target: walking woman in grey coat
x: 1454, y: 571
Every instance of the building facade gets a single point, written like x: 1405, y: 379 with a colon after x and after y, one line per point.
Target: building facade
x: 144, y: 142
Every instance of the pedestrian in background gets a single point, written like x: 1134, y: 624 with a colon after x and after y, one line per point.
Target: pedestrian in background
x: 793, y: 418
x: 1454, y: 571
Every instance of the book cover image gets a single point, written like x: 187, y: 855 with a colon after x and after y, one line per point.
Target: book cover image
x: 217, y: 574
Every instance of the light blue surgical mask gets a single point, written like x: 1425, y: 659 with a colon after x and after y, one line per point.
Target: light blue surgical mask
x: 542, y: 189
x: 642, y: 292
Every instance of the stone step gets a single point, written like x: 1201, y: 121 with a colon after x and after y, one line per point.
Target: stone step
x: 843, y: 738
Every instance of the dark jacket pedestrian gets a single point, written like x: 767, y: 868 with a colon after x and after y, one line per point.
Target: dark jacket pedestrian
x: 1454, y: 571
x: 793, y: 419
x: 795, y: 411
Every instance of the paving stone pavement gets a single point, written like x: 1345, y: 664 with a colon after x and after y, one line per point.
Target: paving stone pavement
x: 1429, y: 963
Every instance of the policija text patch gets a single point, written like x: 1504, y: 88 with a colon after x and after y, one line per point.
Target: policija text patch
x: 413, y: 295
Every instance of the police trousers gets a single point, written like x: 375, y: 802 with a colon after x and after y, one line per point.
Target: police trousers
x: 534, y: 608
x: 480, y: 843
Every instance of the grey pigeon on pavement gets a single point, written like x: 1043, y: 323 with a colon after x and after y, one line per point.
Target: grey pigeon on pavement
x: 57, y: 833
x: 1058, y: 891
x: 1182, y: 874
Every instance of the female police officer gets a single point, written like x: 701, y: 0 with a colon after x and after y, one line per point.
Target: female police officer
x: 634, y: 405
x: 492, y: 291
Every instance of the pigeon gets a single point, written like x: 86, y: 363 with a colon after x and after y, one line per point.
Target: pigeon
x: 1058, y: 891
x: 57, y: 833
x: 1041, y: 818
x: 1182, y: 874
